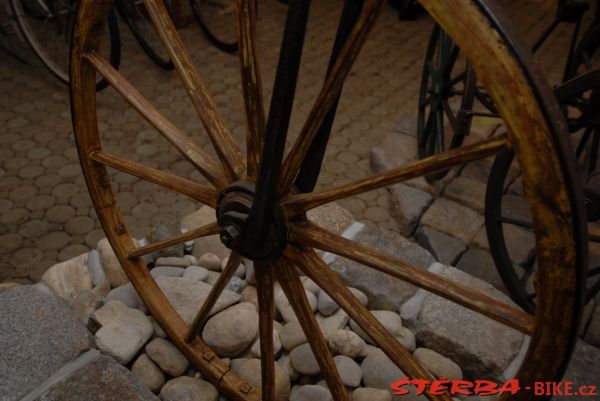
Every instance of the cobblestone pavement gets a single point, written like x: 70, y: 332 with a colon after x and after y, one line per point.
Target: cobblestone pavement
x: 45, y: 211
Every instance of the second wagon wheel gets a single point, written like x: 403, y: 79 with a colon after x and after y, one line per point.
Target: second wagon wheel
x: 262, y: 217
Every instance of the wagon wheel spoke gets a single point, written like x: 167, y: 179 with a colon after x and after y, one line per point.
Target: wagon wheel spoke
x: 329, y: 93
x: 294, y: 291
x: 227, y: 150
x: 202, y: 316
x: 192, y: 152
x: 264, y: 291
x: 209, y: 229
x: 192, y: 189
x: 311, y: 235
x: 252, y: 83
x: 314, y: 267
x: 297, y: 204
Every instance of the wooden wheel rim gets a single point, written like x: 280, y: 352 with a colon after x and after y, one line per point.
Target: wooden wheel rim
x: 525, y: 103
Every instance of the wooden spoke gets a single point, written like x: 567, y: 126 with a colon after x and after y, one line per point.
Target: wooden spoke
x: 294, y: 291
x: 314, y: 267
x: 264, y: 290
x: 202, y: 316
x: 209, y: 229
x: 308, y: 234
x: 196, y: 155
x: 194, y: 190
x: 297, y: 204
x: 329, y: 93
x: 251, y: 83
x: 220, y: 136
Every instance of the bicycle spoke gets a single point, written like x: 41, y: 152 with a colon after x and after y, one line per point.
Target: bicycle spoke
x: 192, y: 152
x: 198, y: 192
x: 329, y: 93
x: 297, y: 204
x: 324, y: 277
x: 209, y: 229
x: 227, y: 150
x: 307, y: 234
x: 203, y: 314
x: 292, y: 287
x: 264, y: 290
x: 252, y: 83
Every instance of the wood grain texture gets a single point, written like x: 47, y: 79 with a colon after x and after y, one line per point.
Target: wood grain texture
x: 221, y: 137
x: 292, y: 286
x: 329, y: 93
x: 308, y: 234
x: 314, y: 267
x: 251, y: 84
x: 297, y: 204
x: 201, y: 317
x: 192, y: 152
x: 265, y: 281
x: 194, y: 190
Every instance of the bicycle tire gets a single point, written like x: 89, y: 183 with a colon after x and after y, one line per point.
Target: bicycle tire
x: 224, y: 39
x: 135, y: 24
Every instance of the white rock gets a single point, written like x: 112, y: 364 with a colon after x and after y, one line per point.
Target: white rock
x: 187, y: 388
x: 126, y: 294
x: 310, y: 392
x: 292, y: 335
x: 303, y: 360
x: 349, y: 371
x: 195, y: 273
x: 391, y: 321
x: 371, y: 394
x: 348, y: 343
x: 310, y: 285
x: 333, y: 323
x: 250, y: 371
x: 231, y: 331
x: 407, y: 339
x: 210, y: 261
x: 286, y: 364
x: 167, y: 271
x: 95, y: 267
x: 124, y: 331
x: 286, y: 310
x: 438, y: 364
x: 326, y: 305
x: 115, y: 273
x: 167, y: 356
x: 250, y: 275
x: 148, y: 373
x: 174, y: 261
x: 255, y: 349
x: 69, y: 278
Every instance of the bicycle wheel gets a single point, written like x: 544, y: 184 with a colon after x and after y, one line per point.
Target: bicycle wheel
x: 217, y: 21
x: 135, y: 16
x: 47, y: 26
x: 506, y: 220
x: 261, y: 216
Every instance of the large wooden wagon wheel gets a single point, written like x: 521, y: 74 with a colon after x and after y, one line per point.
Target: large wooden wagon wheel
x: 261, y: 197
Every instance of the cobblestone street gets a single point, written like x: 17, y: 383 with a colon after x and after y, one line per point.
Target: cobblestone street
x: 45, y: 211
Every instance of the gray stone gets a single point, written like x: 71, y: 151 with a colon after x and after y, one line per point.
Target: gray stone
x: 483, y: 347
x: 407, y: 205
x: 148, y: 373
x: 371, y: 394
x: 395, y: 150
x: 167, y: 356
x: 255, y: 349
x: 310, y: 392
x: 126, y: 294
x: 39, y: 335
x: 213, y: 277
x: 95, y: 267
x: 167, y: 271
x: 173, y: 261
x: 333, y: 323
x: 164, y: 231
x: 124, y: 331
x: 239, y: 272
x: 113, y: 269
x: 236, y: 285
x: 303, y: 360
x: 391, y: 321
x: 325, y: 304
x: 445, y: 248
x: 382, y: 291
x: 592, y: 334
x: 380, y: 372
x: 286, y: 364
x: 249, y: 295
x: 467, y: 192
x: 479, y: 263
x: 310, y: 285
x: 203, y: 216
x: 453, y: 219
x: 250, y: 371
x: 103, y: 379
x: 233, y: 330
x: 187, y: 297
x: 195, y: 273
x: 292, y: 335
x: 69, y: 278
x: 188, y: 389
x: 407, y: 339
x: 85, y: 304
x: 348, y: 343
x: 583, y: 370
x: 210, y: 261
x: 349, y: 371
x: 437, y: 364
x: 286, y: 310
